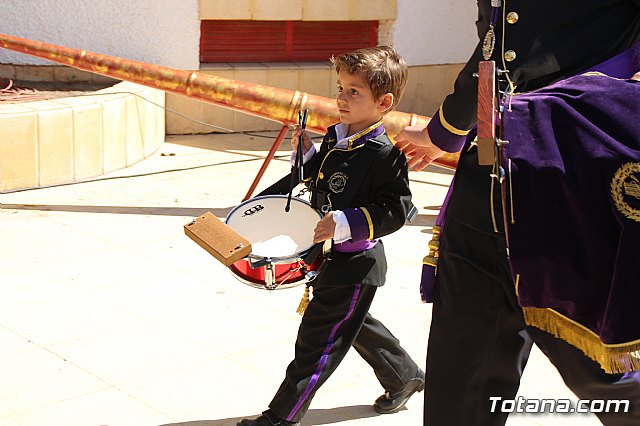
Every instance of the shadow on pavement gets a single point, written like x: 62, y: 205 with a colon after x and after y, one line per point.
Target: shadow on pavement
x: 325, y: 416
x: 159, y: 211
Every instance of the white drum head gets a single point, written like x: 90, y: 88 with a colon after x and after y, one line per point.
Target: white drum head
x: 272, y: 231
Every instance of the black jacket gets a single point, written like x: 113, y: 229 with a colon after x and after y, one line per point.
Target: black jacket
x: 552, y: 39
x: 373, y: 176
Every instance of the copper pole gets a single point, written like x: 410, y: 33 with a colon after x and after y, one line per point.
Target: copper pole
x: 272, y: 152
x: 268, y: 102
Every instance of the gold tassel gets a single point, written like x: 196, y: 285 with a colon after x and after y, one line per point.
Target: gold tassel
x: 431, y: 259
x: 613, y: 358
x: 304, y: 302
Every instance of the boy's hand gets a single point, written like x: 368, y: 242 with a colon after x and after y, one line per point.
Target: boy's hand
x: 325, y: 229
x: 295, y: 138
x: 415, y: 143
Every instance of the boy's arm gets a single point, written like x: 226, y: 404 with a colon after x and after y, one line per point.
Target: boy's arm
x: 391, y: 201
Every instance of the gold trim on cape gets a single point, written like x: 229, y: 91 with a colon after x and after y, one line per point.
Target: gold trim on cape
x: 613, y: 358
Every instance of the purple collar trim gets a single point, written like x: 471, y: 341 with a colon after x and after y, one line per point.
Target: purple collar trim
x: 362, y: 137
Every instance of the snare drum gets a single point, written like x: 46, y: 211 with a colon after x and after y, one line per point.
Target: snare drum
x: 279, y: 240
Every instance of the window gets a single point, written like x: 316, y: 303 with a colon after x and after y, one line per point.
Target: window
x: 282, y: 41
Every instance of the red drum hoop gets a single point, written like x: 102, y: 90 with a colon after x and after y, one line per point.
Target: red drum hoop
x: 279, y: 240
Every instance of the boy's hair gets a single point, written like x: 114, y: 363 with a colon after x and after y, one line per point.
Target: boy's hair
x: 382, y: 68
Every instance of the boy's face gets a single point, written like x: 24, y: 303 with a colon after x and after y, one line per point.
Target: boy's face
x: 356, y: 104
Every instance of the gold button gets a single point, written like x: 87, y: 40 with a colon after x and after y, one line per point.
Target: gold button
x: 320, y: 175
x: 509, y: 56
x: 512, y: 17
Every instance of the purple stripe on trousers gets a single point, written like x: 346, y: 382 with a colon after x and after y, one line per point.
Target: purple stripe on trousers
x: 323, y: 358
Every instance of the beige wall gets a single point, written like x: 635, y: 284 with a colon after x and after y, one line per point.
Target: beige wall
x: 167, y: 32
x: 307, y: 10
x: 427, y: 86
x: 163, y: 32
x: 72, y: 139
x: 429, y: 82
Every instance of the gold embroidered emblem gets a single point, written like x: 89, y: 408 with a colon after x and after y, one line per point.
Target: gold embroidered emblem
x: 488, y: 44
x: 625, y: 190
x: 337, y: 182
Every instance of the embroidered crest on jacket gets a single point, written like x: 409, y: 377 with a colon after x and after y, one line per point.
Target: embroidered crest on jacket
x: 337, y: 182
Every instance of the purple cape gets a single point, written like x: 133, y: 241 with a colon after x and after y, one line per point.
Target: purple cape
x: 573, y: 191
x: 574, y: 149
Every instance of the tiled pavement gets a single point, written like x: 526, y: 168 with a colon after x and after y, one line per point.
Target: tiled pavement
x: 110, y: 315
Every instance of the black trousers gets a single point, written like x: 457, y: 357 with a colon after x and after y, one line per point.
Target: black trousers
x: 479, y: 343
x: 336, y: 319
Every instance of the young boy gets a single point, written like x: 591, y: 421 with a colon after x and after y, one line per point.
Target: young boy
x: 361, y: 181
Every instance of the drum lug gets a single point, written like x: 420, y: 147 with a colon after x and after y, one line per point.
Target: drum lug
x: 270, y: 276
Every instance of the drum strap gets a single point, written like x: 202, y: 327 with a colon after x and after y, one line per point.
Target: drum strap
x: 315, y: 251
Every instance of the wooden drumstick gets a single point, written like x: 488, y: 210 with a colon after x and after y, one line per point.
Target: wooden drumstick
x: 297, y: 166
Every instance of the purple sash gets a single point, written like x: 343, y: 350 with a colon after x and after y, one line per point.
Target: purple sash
x: 350, y: 247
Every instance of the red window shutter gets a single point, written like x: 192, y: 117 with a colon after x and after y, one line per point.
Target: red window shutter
x: 283, y: 41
